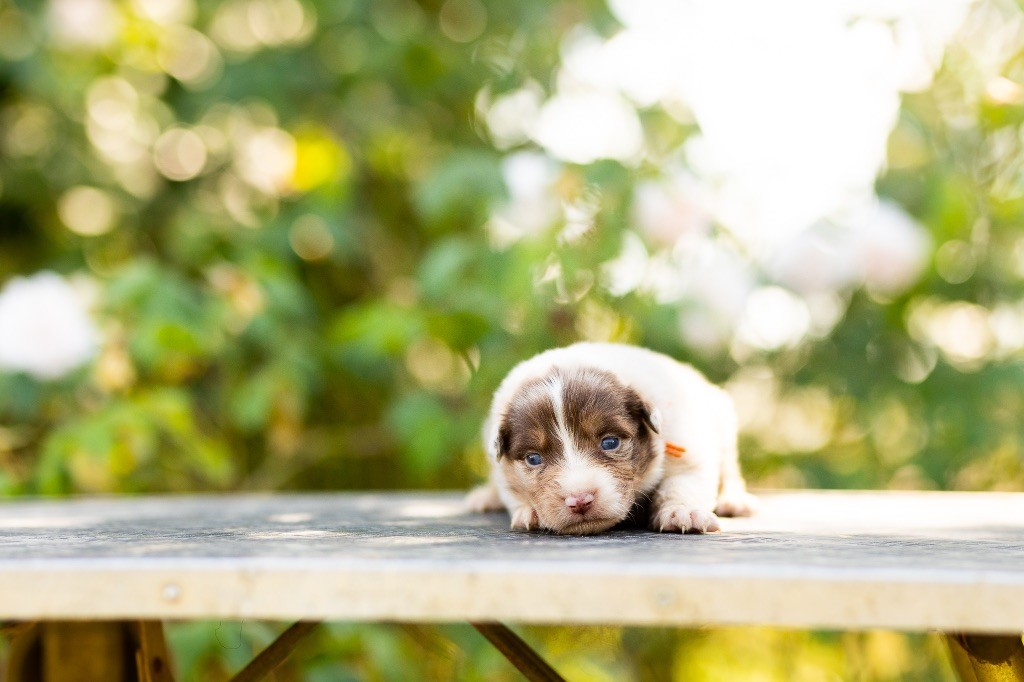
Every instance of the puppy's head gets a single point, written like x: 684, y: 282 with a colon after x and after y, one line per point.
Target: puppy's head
x: 576, y: 445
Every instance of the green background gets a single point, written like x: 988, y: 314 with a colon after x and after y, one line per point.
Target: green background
x: 231, y: 362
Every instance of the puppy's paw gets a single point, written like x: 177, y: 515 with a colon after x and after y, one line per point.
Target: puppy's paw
x: 737, y: 503
x: 524, y: 518
x: 678, y: 518
x: 483, y: 498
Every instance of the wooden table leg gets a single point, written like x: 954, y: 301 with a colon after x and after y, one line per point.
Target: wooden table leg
x: 152, y: 657
x: 987, y: 658
x: 24, y: 657
x: 275, y: 654
x: 518, y: 652
x: 88, y: 651
x: 84, y: 651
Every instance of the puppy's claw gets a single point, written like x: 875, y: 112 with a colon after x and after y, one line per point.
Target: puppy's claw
x: 524, y: 518
x: 483, y: 498
x: 738, y: 503
x: 682, y: 519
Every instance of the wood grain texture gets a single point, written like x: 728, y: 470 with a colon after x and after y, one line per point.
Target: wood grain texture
x: 950, y: 561
x: 85, y: 652
x: 153, y: 659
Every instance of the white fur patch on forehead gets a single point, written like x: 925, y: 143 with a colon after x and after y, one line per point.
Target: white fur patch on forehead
x: 578, y: 472
x: 554, y: 386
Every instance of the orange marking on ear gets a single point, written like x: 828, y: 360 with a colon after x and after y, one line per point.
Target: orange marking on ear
x: 673, y: 450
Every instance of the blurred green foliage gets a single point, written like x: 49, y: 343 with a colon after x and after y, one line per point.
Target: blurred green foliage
x: 283, y: 223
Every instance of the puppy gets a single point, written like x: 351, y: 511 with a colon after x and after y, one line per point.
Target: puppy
x: 576, y: 435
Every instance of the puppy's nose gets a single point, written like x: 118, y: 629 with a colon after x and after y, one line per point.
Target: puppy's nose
x: 579, y: 503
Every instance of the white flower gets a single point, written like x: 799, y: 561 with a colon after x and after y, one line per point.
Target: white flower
x: 510, y: 117
x: 718, y: 284
x: 877, y: 245
x: 626, y: 272
x: 584, y: 126
x: 893, y: 249
x: 45, y: 329
x: 674, y: 208
x: 532, y: 202
x: 774, y: 318
x: 719, y: 280
x: 819, y: 259
x: 794, y: 116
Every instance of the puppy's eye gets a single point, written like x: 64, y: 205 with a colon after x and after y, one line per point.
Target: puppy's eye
x: 609, y: 443
x: 534, y: 459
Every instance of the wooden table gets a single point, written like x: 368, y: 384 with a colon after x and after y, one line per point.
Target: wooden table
x: 952, y: 562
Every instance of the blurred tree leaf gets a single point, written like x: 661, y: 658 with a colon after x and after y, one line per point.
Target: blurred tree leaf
x: 460, y: 189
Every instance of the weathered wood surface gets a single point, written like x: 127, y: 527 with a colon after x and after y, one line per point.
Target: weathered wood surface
x: 952, y: 561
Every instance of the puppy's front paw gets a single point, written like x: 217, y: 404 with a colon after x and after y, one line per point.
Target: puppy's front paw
x: 483, y: 498
x: 739, y: 503
x: 524, y: 518
x: 678, y: 518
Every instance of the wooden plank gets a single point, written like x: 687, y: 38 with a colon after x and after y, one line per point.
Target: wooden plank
x: 153, y: 660
x: 268, y: 660
x: 949, y: 561
x: 24, y: 655
x: 520, y: 654
x: 85, y: 652
x: 986, y: 658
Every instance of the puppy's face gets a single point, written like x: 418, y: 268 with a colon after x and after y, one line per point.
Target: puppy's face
x: 576, y: 446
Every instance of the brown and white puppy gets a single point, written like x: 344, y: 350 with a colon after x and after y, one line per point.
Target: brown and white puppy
x: 576, y: 435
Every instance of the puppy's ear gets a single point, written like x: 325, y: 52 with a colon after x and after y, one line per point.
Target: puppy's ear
x: 641, y: 411
x: 503, y: 441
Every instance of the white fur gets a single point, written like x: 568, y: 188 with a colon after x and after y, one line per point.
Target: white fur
x: 554, y: 388
x: 579, y: 475
x: 690, y: 411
